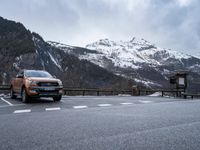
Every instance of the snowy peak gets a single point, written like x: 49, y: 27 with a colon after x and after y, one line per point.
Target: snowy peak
x: 134, y: 52
x: 142, y: 42
x: 108, y: 42
x: 102, y: 43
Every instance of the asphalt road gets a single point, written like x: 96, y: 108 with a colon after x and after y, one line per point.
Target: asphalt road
x: 90, y: 123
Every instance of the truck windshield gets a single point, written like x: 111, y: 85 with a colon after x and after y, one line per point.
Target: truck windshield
x: 41, y: 74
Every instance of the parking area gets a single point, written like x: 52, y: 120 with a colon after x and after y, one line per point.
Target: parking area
x: 8, y: 105
x: 105, y: 122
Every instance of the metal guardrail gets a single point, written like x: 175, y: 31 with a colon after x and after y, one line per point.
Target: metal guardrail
x: 185, y: 95
x: 82, y: 91
x: 98, y: 92
x: 4, y: 87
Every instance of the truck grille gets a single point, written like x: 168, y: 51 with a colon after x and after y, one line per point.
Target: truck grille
x: 48, y: 84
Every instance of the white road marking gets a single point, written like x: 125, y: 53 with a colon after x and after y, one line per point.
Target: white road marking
x: 22, y: 111
x: 104, y: 105
x: 80, y: 107
x: 12, y: 105
x: 6, y: 101
x: 53, y: 108
x: 145, y: 102
x: 126, y: 103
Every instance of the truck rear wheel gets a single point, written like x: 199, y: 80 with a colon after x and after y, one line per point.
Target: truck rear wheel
x: 12, y: 95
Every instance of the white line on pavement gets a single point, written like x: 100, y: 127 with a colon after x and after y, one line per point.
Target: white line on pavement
x: 6, y: 101
x: 22, y: 111
x: 104, y: 105
x: 79, y: 107
x: 126, y: 103
x: 12, y: 105
x: 53, y: 108
x: 145, y: 102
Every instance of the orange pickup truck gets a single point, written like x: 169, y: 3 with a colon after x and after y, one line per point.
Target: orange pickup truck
x: 35, y: 83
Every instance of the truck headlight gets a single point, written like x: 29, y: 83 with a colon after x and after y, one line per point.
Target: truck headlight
x: 33, y: 83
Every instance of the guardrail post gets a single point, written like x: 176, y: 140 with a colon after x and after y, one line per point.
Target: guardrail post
x: 83, y: 92
x: 97, y: 93
x: 112, y: 93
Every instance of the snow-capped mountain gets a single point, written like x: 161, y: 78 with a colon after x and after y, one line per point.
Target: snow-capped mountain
x: 136, y: 59
x: 140, y: 57
x: 133, y: 53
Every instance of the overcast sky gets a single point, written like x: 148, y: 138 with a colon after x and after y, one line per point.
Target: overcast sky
x: 173, y: 24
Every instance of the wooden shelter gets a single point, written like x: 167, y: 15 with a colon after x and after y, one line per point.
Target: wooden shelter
x: 179, y: 79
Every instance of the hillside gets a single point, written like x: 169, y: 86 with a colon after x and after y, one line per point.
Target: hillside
x: 21, y: 49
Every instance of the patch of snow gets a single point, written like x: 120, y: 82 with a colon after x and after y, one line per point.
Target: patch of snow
x: 35, y: 39
x: 144, y: 82
x: 59, y: 45
x: 178, y: 55
x: 124, y: 95
x: 166, y: 71
x: 156, y: 94
x: 55, y: 61
x: 2, y: 95
x: 96, y: 59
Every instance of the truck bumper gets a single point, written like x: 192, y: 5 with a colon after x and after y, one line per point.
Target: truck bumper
x: 45, y: 91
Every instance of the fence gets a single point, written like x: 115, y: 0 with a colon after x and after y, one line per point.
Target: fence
x: 98, y: 92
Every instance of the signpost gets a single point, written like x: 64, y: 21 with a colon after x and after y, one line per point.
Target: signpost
x: 180, y: 80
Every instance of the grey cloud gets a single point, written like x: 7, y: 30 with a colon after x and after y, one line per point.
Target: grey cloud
x: 79, y: 22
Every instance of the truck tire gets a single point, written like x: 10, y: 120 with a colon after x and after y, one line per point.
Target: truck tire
x: 12, y: 94
x: 57, y: 98
x: 25, y: 97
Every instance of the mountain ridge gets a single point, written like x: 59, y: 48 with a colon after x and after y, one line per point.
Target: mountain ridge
x: 136, y: 59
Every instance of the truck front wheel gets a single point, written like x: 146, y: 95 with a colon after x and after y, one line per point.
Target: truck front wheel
x: 57, y: 98
x: 24, y: 95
